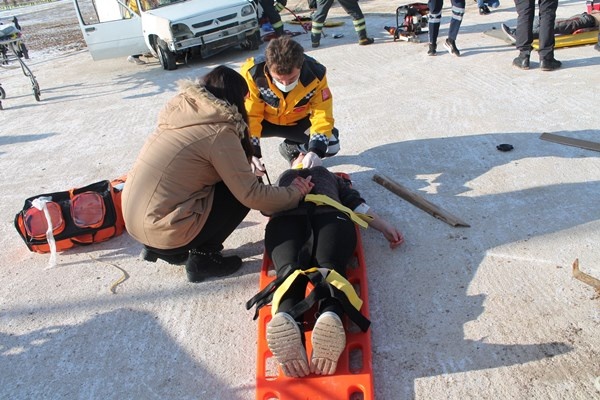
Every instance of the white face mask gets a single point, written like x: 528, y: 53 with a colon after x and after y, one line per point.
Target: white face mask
x: 286, y: 88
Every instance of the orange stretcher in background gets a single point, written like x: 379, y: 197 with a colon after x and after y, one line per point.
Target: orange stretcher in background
x: 354, y: 376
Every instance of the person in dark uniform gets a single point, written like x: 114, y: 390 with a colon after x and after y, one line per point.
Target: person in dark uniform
x: 435, y: 18
x: 524, y: 34
x: 271, y: 11
x: 352, y: 8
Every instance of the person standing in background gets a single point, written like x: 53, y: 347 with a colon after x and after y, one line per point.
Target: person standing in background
x: 352, y: 8
x: 272, y: 10
x: 524, y: 33
x: 435, y: 17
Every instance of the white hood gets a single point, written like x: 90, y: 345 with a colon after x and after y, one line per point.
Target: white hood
x: 201, y: 8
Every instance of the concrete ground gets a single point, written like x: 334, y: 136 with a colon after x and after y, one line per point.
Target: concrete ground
x: 486, y: 312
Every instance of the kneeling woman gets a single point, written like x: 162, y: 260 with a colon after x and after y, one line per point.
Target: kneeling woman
x: 313, y: 235
x: 192, y: 183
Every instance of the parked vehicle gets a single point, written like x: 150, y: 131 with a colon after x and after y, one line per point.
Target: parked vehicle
x: 171, y: 30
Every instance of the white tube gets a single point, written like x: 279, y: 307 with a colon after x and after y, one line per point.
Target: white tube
x: 40, y: 204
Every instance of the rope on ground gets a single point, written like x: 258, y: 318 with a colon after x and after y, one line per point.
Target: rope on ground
x: 585, y: 278
x: 123, y: 278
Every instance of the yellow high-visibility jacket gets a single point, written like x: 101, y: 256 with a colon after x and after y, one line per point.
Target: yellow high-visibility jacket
x: 311, y: 97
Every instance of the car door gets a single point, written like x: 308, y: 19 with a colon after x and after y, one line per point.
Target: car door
x: 110, y: 28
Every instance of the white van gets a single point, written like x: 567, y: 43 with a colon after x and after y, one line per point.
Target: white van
x: 172, y: 30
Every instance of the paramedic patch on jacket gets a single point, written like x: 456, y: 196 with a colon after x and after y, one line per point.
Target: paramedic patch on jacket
x: 325, y: 94
x: 300, y: 109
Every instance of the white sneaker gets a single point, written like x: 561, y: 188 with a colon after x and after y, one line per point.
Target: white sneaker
x: 135, y: 60
x: 328, y: 341
x: 510, y: 33
x: 285, y: 342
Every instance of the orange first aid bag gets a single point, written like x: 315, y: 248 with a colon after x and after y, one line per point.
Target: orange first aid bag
x: 77, y: 217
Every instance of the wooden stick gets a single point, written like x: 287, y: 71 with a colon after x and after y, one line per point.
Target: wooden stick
x: 584, y: 144
x: 585, y: 278
x: 418, y: 201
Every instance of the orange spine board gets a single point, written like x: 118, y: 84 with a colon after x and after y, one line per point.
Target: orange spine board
x: 349, y: 380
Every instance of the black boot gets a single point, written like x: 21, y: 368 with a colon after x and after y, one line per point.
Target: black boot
x: 550, y: 64
x: 522, y: 61
x: 289, y: 151
x: 363, y: 39
x: 176, y: 259
x: 279, y: 32
x: 315, y: 40
x: 203, y: 265
x: 432, y: 49
x: 484, y: 10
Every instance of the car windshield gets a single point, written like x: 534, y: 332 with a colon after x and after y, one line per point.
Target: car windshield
x: 153, y: 4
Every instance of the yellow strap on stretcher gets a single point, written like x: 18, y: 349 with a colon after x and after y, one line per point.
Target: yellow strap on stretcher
x: 331, y: 276
x: 359, y: 219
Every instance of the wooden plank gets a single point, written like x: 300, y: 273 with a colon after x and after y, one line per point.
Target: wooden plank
x: 418, y: 201
x: 584, y: 144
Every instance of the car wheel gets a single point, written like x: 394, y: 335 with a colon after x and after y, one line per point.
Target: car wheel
x: 252, y: 42
x: 165, y: 56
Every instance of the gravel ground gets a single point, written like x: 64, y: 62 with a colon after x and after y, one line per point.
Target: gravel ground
x: 48, y: 28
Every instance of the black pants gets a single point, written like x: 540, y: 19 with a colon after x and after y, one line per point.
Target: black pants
x: 297, y: 135
x: 526, y: 15
x: 226, y: 214
x: 271, y: 13
x: 350, y: 6
x: 292, y: 133
x: 323, y: 240
x: 569, y: 25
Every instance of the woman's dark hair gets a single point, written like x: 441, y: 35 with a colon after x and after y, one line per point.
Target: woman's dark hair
x: 226, y: 84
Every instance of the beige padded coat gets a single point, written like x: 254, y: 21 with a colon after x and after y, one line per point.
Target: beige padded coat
x: 169, y: 191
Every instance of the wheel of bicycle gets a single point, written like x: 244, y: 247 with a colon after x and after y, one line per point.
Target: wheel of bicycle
x: 36, y: 92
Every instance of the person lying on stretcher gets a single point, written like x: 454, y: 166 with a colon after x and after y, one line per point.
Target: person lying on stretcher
x: 562, y: 26
x: 322, y: 236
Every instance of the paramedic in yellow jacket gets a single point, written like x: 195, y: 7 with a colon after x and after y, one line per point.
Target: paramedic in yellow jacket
x: 289, y: 97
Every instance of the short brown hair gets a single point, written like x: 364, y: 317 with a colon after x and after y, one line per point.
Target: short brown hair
x: 285, y: 54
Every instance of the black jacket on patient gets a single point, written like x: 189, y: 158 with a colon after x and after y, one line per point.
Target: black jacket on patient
x: 326, y: 183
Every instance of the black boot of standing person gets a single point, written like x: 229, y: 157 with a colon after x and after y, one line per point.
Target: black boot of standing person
x: 202, y: 265
x: 522, y: 61
x: 524, y: 34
